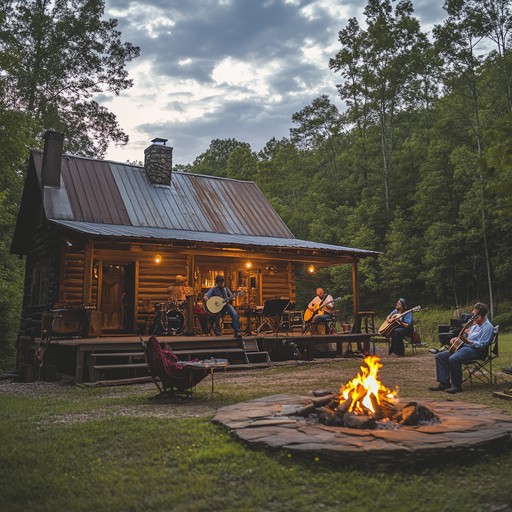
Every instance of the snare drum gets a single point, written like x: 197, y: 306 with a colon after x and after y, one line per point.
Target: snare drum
x: 160, y: 306
x: 175, y: 322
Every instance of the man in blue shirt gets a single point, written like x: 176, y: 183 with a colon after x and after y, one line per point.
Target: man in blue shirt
x: 220, y: 290
x: 474, y: 346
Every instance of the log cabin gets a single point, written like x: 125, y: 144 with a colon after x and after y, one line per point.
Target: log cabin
x: 104, y: 241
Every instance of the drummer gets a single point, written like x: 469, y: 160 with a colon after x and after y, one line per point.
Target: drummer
x: 177, y: 290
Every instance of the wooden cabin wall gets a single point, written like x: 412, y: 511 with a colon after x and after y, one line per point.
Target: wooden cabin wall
x: 154, y: 279
x: 43, y: 249
x: 279, y: 285
x: 72, y: 271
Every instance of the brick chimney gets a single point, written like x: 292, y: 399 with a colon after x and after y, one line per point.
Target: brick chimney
x: 158, y: 162
x: 52, y: 156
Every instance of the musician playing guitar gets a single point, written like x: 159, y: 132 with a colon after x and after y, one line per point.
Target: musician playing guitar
x: 403, y: 327
x: 220, y: 290
x: 466, y: 346
x: 322, y: 308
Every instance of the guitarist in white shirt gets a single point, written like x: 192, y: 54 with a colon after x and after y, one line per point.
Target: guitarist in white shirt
x: 322, y: 305
x: 474, y: 344
x: 220, y: 290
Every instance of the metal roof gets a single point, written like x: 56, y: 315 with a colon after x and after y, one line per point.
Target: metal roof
x: 109, y: 200
x: 161, y: 234
x: 103, y: 192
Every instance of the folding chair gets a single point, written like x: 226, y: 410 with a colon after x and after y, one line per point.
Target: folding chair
x: 172, y: 377
x: 481, y: 369
x: 272, y: 316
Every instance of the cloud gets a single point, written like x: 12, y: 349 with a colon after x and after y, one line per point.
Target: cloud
x: 214, y: 69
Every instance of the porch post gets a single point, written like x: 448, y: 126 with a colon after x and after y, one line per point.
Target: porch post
x: 88, y: 257
x: 189, y: 317
x: 355, y: 288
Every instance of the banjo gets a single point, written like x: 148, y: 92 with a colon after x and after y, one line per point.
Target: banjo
x: 215, y: 304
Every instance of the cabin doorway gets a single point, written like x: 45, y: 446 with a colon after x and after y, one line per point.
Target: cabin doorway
x: 117, y: 298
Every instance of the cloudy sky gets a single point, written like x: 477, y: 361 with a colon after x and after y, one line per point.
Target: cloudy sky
x: 219, y: 69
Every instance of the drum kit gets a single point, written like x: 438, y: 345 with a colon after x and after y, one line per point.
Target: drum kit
x: 169, y: 318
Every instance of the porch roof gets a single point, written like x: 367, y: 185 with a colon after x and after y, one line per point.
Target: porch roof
x: 139, y: 233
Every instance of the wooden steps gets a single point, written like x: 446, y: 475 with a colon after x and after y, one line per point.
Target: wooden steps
x: 109, y: 364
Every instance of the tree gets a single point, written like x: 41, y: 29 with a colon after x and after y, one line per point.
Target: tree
x: 242, y: 163
x: 62, y: 55
x: 214, y: 161
x: 13, y: 142
x: 380, y: 66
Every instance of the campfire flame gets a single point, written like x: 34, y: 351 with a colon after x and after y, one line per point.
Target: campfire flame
x: 365, y: 394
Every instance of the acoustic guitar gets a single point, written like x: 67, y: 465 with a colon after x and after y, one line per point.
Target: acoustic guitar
x: 387, y: 328
x: 215, y: 304
x: 317, y: 309
x: 458, y: 342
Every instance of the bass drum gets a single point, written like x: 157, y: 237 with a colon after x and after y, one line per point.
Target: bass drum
x: 175, y: 322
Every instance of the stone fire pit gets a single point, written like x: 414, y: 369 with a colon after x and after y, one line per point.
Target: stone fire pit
x: 465, y: 429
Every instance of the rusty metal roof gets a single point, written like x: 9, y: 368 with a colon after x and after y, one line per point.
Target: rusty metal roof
x: 105, y: 199
x: 103, y: 192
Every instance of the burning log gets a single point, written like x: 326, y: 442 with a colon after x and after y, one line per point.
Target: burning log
x: 351, y: 420
x: 377, y: 409
x: 327, y: 416
x: 413, y: 413
x: 344, y: 406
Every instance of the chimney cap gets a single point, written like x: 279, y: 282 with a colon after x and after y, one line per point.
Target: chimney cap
x: 159, y: 141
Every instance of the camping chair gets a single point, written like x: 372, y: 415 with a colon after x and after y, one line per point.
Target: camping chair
x: 172, y: 377
x: 413, y: 340
x: 481, y: 369
x: 272, y: 316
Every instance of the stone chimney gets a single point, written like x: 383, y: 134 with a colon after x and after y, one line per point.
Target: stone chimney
x: 158, y: 162
x: 52, y: 156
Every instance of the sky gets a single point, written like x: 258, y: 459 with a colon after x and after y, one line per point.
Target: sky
x: 220, y: 69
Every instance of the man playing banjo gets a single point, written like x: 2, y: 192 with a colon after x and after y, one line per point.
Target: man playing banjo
x: 220, y: 290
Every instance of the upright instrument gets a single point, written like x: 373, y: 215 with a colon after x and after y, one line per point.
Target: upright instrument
x: 317, y: 309
x: 387, y: 327
x: 458, y: 342
x: 215, y: 304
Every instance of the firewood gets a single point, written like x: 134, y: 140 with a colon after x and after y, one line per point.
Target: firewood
x: 359, y: 421
x: 322, y: 400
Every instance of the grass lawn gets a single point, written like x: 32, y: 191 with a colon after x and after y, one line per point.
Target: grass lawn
x: 70, y: 448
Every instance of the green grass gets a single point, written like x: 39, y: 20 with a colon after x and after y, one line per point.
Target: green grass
x: 112, y: 449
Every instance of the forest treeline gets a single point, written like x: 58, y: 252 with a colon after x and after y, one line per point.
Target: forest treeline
x: 417, y: 164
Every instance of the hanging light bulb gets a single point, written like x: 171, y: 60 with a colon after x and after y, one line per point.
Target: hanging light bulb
x: 158, y: 259
x: 311, y: 269
x: 248, y: 264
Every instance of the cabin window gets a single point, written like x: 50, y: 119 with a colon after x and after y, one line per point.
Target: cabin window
x: 40, y: 283
x: 209, y: 279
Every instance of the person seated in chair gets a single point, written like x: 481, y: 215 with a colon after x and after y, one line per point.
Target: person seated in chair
x: 404, y: 328
x: 322, y: 304
x: 202, y: 315
x: 220, y: 290
x: 473, y: 345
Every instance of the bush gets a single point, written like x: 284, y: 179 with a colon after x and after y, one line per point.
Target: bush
x: 504, y: 320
